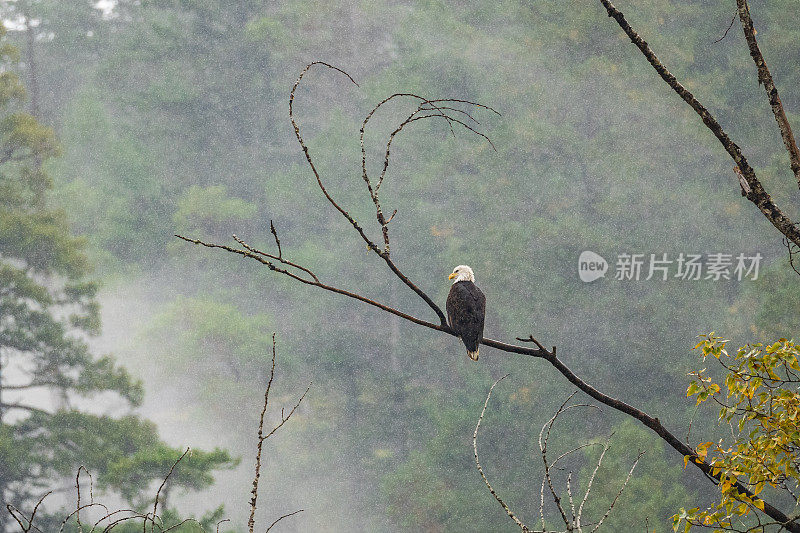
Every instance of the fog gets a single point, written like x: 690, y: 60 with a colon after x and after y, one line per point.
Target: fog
x: 173, y: 118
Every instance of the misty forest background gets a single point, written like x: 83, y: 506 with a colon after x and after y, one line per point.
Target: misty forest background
x: 172, y: 118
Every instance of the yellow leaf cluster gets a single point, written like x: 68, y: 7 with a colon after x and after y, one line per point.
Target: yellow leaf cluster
x: 762, y: 402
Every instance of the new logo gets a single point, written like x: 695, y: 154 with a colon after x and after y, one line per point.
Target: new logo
x: 591, y: 266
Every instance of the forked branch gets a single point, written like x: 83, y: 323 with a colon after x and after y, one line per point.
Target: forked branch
x: 751, y: 186
x: 251, y: 522
x: 429, y: 109
x: 303, y: 274
x: 111, y: 519
x: 756, y: 193
x: 503, y: 504
x: 573, y: 519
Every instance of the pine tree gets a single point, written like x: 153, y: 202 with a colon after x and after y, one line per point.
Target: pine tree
x: 48, y: 310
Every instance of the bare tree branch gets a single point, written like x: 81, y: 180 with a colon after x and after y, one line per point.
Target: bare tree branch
x: 301, y: 273
x: 161, y: 487
x: 260, y: 444
x: 503, y: 504
x: 543, y: 450
x: 257, y: 255
x: 261, y: 437
x: 385, y: 252
x: 765, y: 79
x: 573, y: 521
x: 77, y: 511
x: 19, y: 517
x: 282, y: 517
x: 733, y: 19
x: 589, y: 484
x: 758, y: 195
x: 625, y: 484
x: 286, y: 418
x: 78, y: 492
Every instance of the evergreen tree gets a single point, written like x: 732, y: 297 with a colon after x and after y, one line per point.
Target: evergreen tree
x: 48, y: 310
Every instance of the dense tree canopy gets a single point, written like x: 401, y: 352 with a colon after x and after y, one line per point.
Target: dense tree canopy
x: 52, y: 388
x: 172, y: 117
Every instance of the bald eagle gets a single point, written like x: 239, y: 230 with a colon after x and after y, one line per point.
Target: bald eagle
x: 466, y: 308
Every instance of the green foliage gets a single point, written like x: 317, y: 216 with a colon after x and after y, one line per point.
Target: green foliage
x: 48, y: 310
x: 173, y: 118
x: 761, y: 405
x: 145, y: 466
x: 124, y: 454
x: 420, y: 497
x: 210, y: 212
x: 188, y: 326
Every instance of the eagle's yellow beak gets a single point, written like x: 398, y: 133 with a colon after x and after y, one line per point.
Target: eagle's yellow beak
x: 451, y: 276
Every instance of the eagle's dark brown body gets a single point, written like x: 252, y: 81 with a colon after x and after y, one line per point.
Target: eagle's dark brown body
x: 466, y: 308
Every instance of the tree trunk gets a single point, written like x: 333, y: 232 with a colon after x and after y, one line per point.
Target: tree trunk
x: 30, y: 59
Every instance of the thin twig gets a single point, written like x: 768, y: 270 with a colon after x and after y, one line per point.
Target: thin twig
x: 758, y: 195
x: 13, y: 511
x: 108, y: 515
x: 590, y: 482
x: 733, y: 19
x: 625, y: 484
x: 571, y: 500
x: 300, y: 140
x: 161, y: 487
x: 286, y: 418
x: 277, y: 240
x: 282, y: 517
x: 278, y: 257
x: 78, y: 491
x: 251, y: 522
x: 439, y: 327
x: 691, y: 421
x: 262, y: 438
x: 503, y: 504
x: 543, y: 449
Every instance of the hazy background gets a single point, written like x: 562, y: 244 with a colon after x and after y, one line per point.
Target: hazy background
x: 173, y: 119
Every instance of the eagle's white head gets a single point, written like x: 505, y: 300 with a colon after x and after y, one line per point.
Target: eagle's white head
x: 462, y: 273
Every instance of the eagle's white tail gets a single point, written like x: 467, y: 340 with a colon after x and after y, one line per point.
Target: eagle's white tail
x: 473, y: 355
